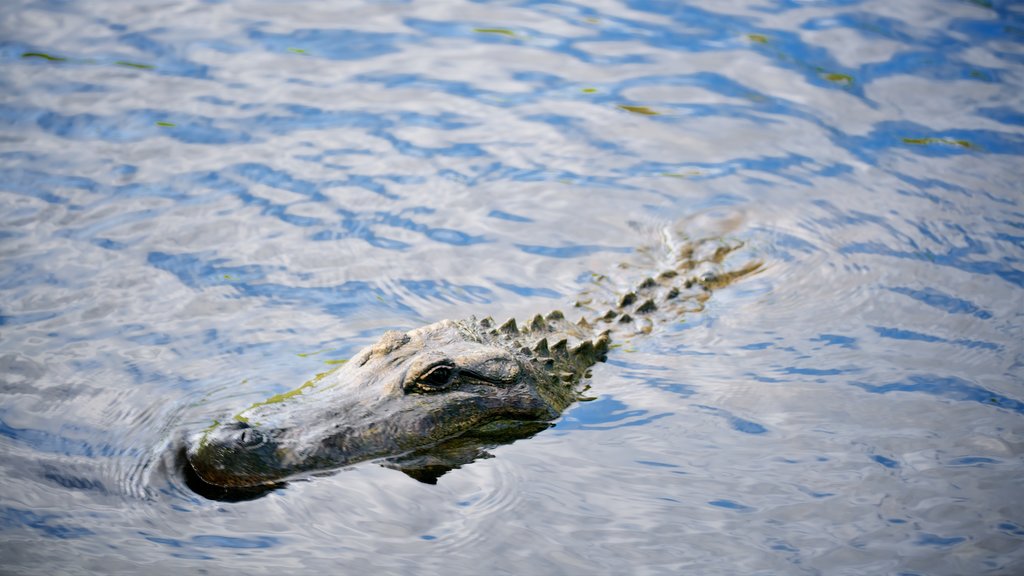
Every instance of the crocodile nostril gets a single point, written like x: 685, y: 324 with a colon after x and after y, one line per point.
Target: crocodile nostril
x: 250, y: 438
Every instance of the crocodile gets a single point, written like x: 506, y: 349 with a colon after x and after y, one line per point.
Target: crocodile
x: 437, y: 397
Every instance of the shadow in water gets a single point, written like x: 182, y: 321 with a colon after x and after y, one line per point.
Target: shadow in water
x: 429, y: 464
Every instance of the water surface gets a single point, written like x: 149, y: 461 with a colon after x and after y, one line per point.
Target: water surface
x: 206, y: 203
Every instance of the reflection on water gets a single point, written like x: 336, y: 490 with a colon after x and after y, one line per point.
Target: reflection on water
x: 206, y: 203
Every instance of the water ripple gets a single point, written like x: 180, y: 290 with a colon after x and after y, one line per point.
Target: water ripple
x: 203, y: 204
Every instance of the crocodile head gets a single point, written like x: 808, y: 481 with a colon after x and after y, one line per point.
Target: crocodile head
x: 401, y: 397
x: 432, y: 399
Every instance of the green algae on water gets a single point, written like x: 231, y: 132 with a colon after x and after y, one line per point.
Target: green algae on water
x: 501, y: 31
x: 206, y: 431
x: 644, y: 110
x: 165, y: 124
x: 759, y: 38
x: 836, y: 77
x: 941, y: 141
x: 44, y: 56
x: 53, y: 58
x: 128, y: 64
x: 589, y: 90
x: 298, y: 51
x: 278, y: 398
x: 684, y: 174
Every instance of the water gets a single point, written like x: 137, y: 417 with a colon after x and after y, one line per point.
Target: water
x: 205, y: 203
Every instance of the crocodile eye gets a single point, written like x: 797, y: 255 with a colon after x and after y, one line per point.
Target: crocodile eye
x: 437, y: 378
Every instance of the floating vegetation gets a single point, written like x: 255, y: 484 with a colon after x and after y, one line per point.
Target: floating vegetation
x: 844, y: 80
x: 941, y: 141
x: 44, y: 56
x: 685, y: 173
x: 275, y: 399
x: 638, y: 110
x: 165, y: 124
x: 836, y: 77
x: 134, y: 65
x: 336, y: 362
x: 278, y: 398
x: 501, y: 31
x: 592, y: 20
x: 298, y: 51
x: 589, y: 90
x: 52, y: 58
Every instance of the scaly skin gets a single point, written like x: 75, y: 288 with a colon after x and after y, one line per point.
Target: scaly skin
x: 434, y: 398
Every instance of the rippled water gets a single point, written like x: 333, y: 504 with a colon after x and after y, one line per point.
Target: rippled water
x: 204, y: 203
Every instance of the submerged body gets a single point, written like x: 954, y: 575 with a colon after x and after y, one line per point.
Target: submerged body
x: 431, y: 399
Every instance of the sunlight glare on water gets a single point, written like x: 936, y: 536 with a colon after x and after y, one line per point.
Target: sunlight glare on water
x: 207, y: 203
